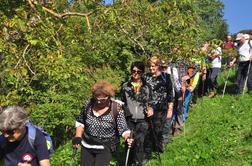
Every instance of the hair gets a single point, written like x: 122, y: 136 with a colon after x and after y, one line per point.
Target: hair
x: 137, y: 64
x: 103, y: 87
x: 13, y: 117
x: 155, y: 60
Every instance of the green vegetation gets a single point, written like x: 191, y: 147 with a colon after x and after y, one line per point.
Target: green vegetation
x: 51, y: 53
x: 217, y: 132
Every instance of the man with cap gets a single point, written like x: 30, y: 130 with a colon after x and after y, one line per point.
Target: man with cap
x: 244, y: 72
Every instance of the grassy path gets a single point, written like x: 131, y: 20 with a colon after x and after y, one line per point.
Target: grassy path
x: 218, y: 132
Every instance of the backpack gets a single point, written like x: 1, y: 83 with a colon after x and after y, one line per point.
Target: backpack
x: 32, y: 134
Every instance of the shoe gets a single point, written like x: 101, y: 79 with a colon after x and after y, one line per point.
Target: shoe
x: 211, y: 94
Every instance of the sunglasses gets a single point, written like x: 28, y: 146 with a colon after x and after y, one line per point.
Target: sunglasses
x: 8, y: 132
x: 136, y: 71
x: 101, y: 99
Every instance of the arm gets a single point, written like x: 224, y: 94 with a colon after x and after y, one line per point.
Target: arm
x: 169, y: 98
x: 44, y: 162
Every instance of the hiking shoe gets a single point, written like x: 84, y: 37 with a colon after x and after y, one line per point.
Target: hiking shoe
x: 211, y: 94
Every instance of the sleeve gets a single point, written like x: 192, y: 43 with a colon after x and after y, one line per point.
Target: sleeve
x: 81, y: 117
x: 195, y: 80
x: 124, y: 100
x: 2, y: 144
x: 41, y: 146
x: 121, y: 121
x: 169, y: 89
x: 176, y: 78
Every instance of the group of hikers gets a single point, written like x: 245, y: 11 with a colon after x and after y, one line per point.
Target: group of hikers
x: 153, y: 107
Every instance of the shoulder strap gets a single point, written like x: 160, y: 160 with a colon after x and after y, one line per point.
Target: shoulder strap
x: 250, y: 46
x: 164, y: 76
x: 31, y: 134
x: 114, y: 112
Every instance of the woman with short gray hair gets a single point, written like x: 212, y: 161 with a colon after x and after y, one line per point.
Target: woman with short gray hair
x: 12, y: 118
x: 15, y: 148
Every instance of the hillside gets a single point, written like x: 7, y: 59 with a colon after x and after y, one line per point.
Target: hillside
x: 218, y: 131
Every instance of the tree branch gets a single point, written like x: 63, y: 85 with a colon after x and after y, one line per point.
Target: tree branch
x: 33, y: 4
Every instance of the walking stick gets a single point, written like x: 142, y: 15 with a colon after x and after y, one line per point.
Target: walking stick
x: 73, y: 155
x: 246, y: 80
x: 225, y: 85
x: 128, y: 150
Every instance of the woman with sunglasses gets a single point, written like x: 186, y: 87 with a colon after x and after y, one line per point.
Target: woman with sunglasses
x: 98, y: 126
x: 15, y: 148
x: 135, y: 94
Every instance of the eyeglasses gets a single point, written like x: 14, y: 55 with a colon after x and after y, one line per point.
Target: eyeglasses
x: 101, y: 99
x: 8, y: 132
x: 136, y: 71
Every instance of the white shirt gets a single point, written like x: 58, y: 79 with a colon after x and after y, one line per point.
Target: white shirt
x: 216, y: 62
x: 243, y: 52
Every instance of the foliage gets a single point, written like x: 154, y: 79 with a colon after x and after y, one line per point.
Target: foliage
x: 51, y: 52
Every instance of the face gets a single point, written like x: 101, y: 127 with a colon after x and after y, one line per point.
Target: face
x: 136, y: 73
x: 101, y: 101
x: 13, y: 135
x: 153, y: 68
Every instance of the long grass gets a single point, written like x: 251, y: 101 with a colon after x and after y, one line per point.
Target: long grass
x: 218, y: 132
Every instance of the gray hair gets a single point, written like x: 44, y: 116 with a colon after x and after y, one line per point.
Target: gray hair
x: 13, y: 117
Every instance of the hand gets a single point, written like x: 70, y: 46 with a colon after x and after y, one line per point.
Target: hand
x: 76, y: 142
x: 24, y: 164
x: 169, y: 114
x: 130, y: 141
x: 250, y: 58
x: 184, y: 78
x: 183, y: 89
x: 231, y: 63
x: 149, y: 111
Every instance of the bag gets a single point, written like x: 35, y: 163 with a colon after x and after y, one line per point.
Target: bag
x: 32, y: 134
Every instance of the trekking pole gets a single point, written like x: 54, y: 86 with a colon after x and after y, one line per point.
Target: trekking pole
x: 225, y: 85
x: 73, y: 155
x: 245, y: 84
x: 128, y: 150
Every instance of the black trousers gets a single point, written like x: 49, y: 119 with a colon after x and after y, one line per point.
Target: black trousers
x: 95, y: 157
x: 140, y: 130
x: 154, y: 140
x: 242, y: 73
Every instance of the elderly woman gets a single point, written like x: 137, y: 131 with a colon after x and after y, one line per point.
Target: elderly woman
x: 15, y: 148
x: 162, y: 102
x: 99, y: 125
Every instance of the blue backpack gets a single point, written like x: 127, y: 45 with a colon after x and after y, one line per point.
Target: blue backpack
x: 32, y: 134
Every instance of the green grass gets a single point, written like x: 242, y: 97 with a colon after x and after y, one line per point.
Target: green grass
x: 218, y: 132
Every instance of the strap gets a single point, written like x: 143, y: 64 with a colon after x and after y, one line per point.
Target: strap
x: 164, y: 76
x: 114, y: 112
x: 31, y: 134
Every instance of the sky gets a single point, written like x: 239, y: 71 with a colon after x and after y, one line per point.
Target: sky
x: 238, y: 14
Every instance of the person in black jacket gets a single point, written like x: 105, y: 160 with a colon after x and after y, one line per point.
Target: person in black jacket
x: 162, y: 102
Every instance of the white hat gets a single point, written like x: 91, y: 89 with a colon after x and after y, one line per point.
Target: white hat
x: 239, y: 36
